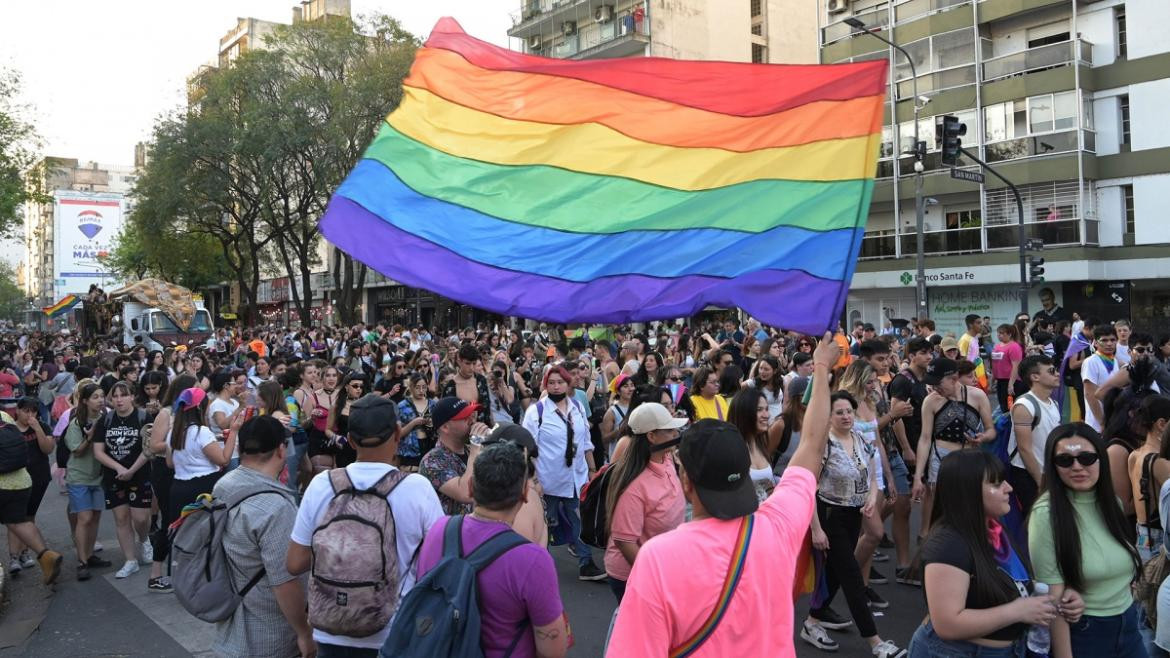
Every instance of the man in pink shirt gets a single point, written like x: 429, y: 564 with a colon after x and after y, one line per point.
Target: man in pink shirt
x: 683, y: 590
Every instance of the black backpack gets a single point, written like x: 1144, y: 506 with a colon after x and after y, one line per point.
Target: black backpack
x: 594, y: 516
x: 13, y: 451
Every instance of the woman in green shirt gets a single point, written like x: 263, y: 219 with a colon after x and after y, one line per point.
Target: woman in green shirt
x: 1077, y: 540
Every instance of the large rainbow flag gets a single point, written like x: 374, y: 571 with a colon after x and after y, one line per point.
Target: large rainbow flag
x: 619, y: 190
x: 67, y: 302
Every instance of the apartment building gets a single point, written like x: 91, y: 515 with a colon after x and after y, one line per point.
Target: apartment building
x: 1063, y: 97
x: 775, y: 31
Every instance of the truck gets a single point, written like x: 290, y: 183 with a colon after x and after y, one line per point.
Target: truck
x: 158, y: 315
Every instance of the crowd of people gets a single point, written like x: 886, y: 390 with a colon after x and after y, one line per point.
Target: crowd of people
x: 723, y: 470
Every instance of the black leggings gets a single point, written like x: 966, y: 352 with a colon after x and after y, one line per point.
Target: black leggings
x: 161, y: 477
x: 182, y: 493
x: 842, y: 525
x: 1002, y: 391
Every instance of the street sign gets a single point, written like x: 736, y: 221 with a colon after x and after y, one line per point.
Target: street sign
x: 963, y: 174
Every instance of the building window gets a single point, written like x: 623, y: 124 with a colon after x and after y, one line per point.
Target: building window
x: 758, y: 29
x: 1123, y: 101
x: 759, y: 54
x: 1119, y: 19
x: 1127, y: 200
x: 757, y: 8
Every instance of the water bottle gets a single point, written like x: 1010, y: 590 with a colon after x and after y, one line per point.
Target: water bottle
x: 1039, y: 639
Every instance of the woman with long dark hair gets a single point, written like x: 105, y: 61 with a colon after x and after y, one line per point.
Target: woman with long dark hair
x: 83, y: 476
x: 977, y: 585
x: 353, y: 387
x: 792, y: 417
x: 162, y: 475
x: 151, y: 387
x: 644, y: 498
x: 767, y: 377
x: 1005, y: 361
x: 1077, y: 540
x: 414, y: 417
x: 1153, y: 417
x: 749, y: 413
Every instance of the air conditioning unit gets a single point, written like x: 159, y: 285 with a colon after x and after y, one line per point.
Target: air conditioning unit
x: 534, y: 43
x: 838, y: 6
x: 569, y: 28
x: 604, y: 14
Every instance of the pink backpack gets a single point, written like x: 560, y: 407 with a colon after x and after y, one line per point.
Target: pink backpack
x: 354, y: 586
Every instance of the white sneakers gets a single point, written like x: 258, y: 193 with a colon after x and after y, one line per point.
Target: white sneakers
x: 816, y: 635
x: 131, y: 568
x: 14, y: 566
x: 887, y: 649
x: 147, y: 551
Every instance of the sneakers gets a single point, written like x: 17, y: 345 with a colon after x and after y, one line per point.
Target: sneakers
x: 879, y: 556
x: 573, y: 552
x: 887, y: 649
x: 160, y: 585
x: 591, y: 572
x: 817, y: 636
x: 147, y: 551
x: 82, y: 571
x: 876, y: 577
x: 14, y: 566
x: 906, y: 576
x: 97, y: 547
x: 27, y: 560
x: 875, y: 599
x: 50, y: 562
x: 829, y: 618
x: 127, y: 570
x: 95, y: 562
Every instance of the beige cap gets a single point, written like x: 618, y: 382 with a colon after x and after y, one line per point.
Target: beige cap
x: 948, y: 343
x: 650, y: 416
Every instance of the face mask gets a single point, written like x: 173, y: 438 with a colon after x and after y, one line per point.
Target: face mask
x: 556, y: 397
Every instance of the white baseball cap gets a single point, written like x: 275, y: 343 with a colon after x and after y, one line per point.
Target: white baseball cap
x: 650, y: 416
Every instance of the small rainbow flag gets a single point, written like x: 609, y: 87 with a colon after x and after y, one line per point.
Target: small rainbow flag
x: 618, y: 190
x: 67, y: 302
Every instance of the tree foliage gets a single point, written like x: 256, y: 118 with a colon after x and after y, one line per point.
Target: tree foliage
x: 18, y: 153
x: 251, y: 167
x: 12, y: 299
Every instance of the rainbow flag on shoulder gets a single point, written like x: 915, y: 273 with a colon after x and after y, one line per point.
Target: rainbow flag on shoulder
x: 618, y: 190
x: 67, y: 302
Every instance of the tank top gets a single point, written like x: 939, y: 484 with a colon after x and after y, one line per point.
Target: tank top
x: 955, y: 419
x: 764, y: 481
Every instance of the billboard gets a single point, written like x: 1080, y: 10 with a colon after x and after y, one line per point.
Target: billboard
x: 85, y: 227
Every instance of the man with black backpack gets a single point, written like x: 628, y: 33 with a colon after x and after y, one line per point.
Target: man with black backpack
x: 359, y: 529
x: 513, y: 604
x: 1034, y: 415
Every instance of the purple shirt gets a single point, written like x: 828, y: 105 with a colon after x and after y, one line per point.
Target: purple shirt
x: 521, y: 584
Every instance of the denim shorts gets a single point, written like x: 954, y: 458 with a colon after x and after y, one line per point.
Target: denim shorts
x: 901, y: 474
x: 927, y: 644
x: 85, y: 497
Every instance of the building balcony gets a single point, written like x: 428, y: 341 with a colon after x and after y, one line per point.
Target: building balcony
x: 881, y: 245
x: 1046, y: 144
x: 621, y: 37
x: 1037, y: 59
x: 541, y: 17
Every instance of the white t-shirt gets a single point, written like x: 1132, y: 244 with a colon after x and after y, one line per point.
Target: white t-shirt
x: 1123, y: 354
x: 415, y: 507
x: 227, y: 408
x: 1094, y: 370
x: 1049, y: 420
x: 190, y: 462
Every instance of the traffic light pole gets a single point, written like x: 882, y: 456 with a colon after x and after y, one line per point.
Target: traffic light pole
x: 1020, y: 229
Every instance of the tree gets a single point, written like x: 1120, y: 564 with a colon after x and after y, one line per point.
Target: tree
x: 12, y: 299
x: 145, y: 248
x: 331, y: 85
x: 18, y: 153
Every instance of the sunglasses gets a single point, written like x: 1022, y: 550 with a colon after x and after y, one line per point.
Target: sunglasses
x: 1142, y: 350
x: 1065, y: 460
x: 675, y: 378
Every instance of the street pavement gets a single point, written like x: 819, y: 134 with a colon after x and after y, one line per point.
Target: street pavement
x: 109, y: 617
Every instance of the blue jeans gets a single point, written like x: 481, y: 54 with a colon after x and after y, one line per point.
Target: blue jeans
x: 1117, y: 636
x: 564, y: 526
x: 618, y: 587
x: 340, y: 651
x: 927, y: 644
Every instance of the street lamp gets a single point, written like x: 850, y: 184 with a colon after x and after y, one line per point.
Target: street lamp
x: 919, y: 152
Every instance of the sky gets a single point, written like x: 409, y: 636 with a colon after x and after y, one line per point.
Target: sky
x: 97, y: 74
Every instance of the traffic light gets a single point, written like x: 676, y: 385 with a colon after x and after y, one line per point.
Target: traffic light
x: 947, y: 132
x: 1035, y: 269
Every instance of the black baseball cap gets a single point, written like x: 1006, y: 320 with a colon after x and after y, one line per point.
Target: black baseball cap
x: 718, y: 464
x: 515, y: 434
x: 451, y: 408
x: 939, y: 368
x: 261, y: 434
x: 372, y: 420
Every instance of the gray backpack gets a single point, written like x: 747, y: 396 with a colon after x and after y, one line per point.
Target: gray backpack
x: 353, y: 589
x: 202, y: 574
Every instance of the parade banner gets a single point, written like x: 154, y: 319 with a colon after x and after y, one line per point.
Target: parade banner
x: 618, y: 190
